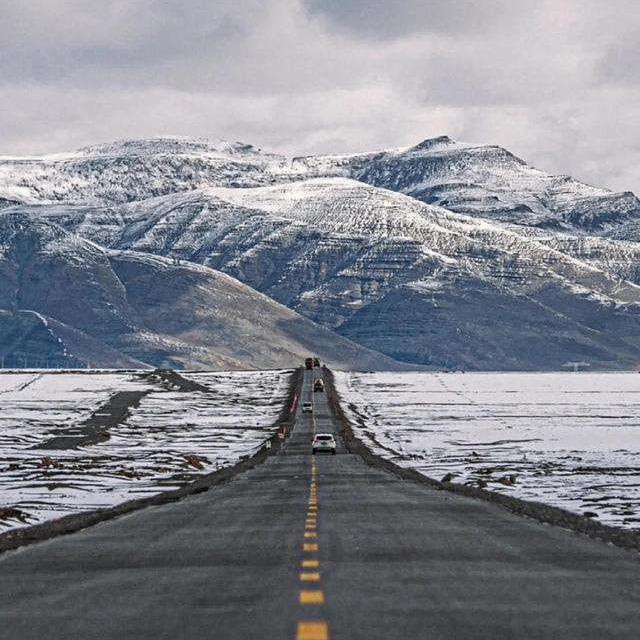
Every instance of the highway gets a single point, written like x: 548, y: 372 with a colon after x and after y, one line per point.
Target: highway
x: 309, y: 547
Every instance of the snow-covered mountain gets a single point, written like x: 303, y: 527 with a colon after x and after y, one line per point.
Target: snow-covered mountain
x: 490, y: 182
x: 477, y: 180
x: 445, y: 253
x: 68, y: 301
x: 134, y: 169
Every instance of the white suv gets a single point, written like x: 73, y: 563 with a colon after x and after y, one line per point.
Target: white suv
x: 307, y: 407
x: 323, y: 442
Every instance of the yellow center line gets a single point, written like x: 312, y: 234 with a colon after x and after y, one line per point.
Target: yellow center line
x: 314, y: 596
x: 312, y: 630
x: 310, y: 577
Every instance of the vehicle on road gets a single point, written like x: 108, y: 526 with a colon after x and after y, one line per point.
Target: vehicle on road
x: 308, y: 363
x: 307, y: 407
x: 316, y: 362
x: 323, y: 443
x: 318, y: 385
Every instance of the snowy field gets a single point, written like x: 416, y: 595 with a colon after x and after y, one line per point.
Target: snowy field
x: 567, y: 439
x: 170, y: 438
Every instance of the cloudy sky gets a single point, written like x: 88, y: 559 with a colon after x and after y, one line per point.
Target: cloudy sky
x: 557, y: 82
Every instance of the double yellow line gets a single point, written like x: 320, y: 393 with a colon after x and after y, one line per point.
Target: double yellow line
x: 310, y: 591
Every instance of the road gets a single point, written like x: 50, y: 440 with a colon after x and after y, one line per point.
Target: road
x: 345, y: 552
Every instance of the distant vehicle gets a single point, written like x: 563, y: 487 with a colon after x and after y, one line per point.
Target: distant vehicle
x: 318, y: 385
x: 316, y: 362
x: 307, y: 407
x: 323, y: 442
x: 308, y: 363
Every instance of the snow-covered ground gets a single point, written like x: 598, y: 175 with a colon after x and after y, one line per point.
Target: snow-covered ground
x: 567, y: 439
x: 170, y: 438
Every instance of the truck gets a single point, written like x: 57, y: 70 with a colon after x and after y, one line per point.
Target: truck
x: 308, y: 363
x: 318, y: 385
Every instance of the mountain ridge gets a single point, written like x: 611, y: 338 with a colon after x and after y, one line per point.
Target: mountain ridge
x: 398, y: 249
x: 466, y: 178
x: 128, y: 307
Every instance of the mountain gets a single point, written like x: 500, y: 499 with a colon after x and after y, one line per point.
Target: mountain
x: 30, y: 339
x: 133, y: 169
x: 67, y: 301
x: 484, y: 181
x: 415, y: 281
x: 490, y: 182
x: 442, y: 254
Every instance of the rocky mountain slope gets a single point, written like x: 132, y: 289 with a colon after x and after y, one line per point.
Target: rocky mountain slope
x: 67, y: 301
x: 490, y: 182
x: 444, y: 254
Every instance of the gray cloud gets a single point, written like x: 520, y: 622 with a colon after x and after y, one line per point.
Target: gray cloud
x: 555, y: 81
x: 383, y: 19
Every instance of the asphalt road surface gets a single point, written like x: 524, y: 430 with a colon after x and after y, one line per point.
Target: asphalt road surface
x: 333, y: 549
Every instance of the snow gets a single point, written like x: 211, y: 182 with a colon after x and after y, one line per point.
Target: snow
x: 148, y: 453
x: 348, y: 207
x: 571, y: 440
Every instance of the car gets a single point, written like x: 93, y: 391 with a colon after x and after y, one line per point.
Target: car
x: 307, y: 407
x: 323, y: 442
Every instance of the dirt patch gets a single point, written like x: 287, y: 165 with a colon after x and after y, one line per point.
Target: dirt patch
x: 95, y: 429
x: 538, y: 511
x: 171, y: 379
